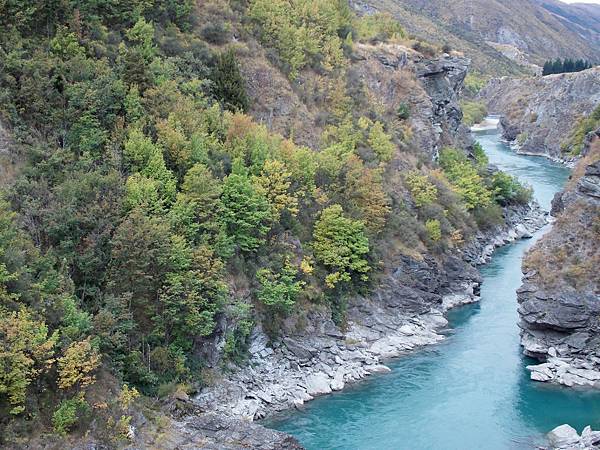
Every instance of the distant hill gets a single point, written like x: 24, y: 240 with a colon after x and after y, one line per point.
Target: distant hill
x: 582, y: 18
x: 503, y: 37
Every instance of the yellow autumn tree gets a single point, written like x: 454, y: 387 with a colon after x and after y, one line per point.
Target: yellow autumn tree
x: 275, y: 181
x: 26, y: 351
x: 363, y: 192
x: 78, y: 364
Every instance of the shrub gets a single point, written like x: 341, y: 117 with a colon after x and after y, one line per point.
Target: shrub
x: 424, y: 48
x: 473, y: 112
x: 488, y: 216
x: 403, y: 111
x: 585, y: 125
x: 340, y: 244
x: 422, y: 190
x: 378, y: 27
x: 480, y: 156
x: 68, y: 414
x: 507, y: 189
x: 474, y: 83
x: 522, y: 138
x: 434, y: 229
x: 215, y: 32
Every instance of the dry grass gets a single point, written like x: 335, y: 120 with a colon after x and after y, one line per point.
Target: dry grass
x: 570, y: 254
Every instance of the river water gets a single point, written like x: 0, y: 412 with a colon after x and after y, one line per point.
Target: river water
x: 470, y: 392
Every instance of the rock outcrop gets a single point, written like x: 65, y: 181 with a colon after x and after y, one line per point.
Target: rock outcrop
x: 443, y: 80
x: 538, y: 113
x: 214, y: 432
x: 392, y: 73
x: 559, y: 301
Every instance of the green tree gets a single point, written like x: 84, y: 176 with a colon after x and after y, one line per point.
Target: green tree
x: 340, y: 244
x: 140, y: 261
x: 230, y: 86
x: 191, y: 295
x: 463, y: 175
x: 246, y: 212
x: 279, y: 290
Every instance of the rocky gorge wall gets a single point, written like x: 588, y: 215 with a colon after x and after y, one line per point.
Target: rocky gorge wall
x: 559, y: 301
x: 406, y: 310
x: 539, y: 113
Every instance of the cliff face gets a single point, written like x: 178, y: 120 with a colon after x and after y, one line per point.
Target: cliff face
x: 540, y: 112
x: 391, y: 74
x: 559, y: 301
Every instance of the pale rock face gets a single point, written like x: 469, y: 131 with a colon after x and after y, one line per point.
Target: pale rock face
x: 317, y: 384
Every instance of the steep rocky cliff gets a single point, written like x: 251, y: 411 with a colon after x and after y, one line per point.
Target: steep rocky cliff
x: 388, y: 74
x: 559, y: 301
x: 540, y: 113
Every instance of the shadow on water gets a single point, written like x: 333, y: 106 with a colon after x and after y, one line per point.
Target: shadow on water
x: 472, y: 391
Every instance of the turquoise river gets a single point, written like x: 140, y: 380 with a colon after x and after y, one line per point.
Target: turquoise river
x: 470, y: 392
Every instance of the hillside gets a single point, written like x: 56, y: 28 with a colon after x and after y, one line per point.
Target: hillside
x: 204, y: 194
x: 582, y: 18
x: 502, y: 37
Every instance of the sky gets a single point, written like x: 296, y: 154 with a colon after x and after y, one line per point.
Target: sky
x: 597, y: 2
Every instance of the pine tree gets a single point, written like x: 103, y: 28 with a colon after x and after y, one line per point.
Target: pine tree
x: 547, y: 68
x: 557, y: 66
x: 230, y: 86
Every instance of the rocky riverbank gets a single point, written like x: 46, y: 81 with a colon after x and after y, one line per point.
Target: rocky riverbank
x: 559, y: 301
x: 404, y: 314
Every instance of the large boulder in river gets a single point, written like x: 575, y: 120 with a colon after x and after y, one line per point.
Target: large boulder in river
x: 566, y: 437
